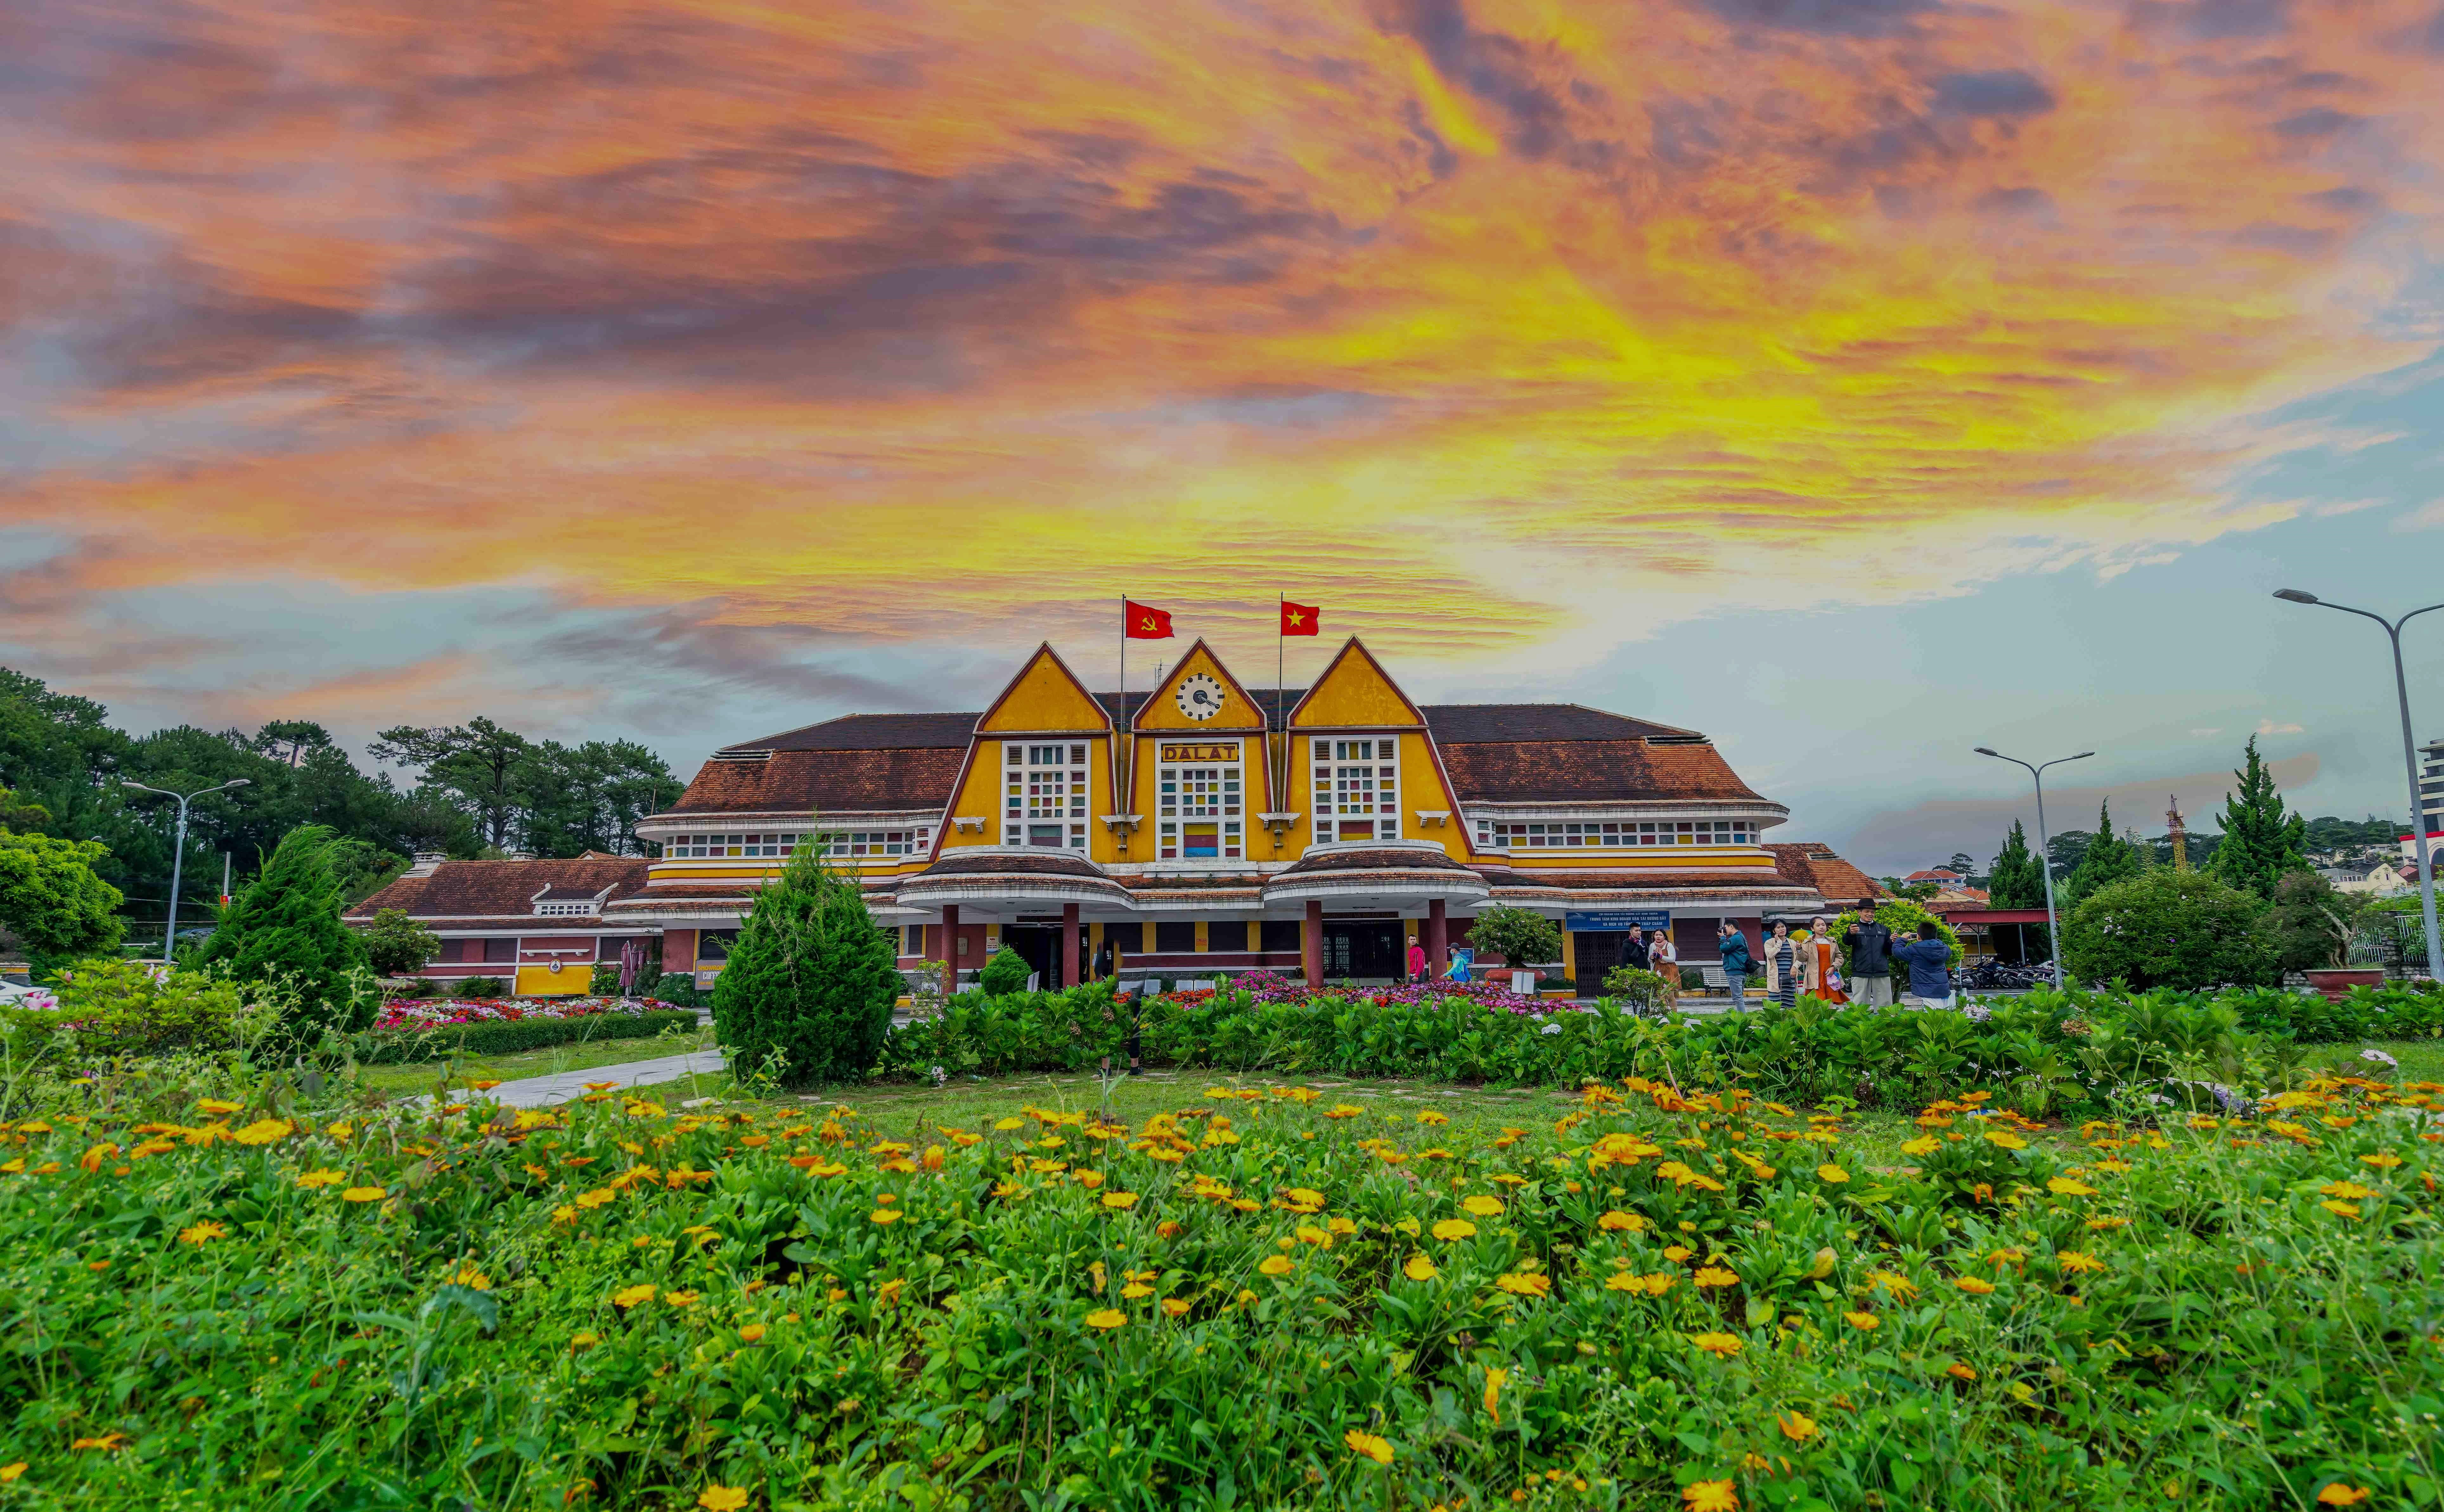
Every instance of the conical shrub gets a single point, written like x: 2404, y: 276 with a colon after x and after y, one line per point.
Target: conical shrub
x: 284, y: 931
x: 811, y: 977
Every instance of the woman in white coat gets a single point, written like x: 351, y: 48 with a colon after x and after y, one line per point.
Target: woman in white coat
x: 1784, y: 967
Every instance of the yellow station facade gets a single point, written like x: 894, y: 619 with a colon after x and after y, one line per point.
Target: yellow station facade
x: 1205, y: 827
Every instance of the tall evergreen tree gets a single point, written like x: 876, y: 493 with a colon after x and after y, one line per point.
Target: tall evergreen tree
x: 285, y: 930
x: 811, y: 976
x: 2109, y: 859
x: 2017, y: 882
x: 2262, y: 842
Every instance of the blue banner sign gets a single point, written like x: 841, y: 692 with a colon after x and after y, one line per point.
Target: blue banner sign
x: 1618, y: 921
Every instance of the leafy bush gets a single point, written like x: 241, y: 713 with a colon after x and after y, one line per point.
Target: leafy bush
x: 1638, y: 987
x: 507, y: 1036
x: 677, y: 989
x: 1006, y: 972
x: 1692, y: 979
x: 52, y: 901
x: 397, y: 944
x: 1745, y: 1304
x: 2310, y: 923
x: 1515, y: 934
x: 284, y: 930
x: 605, y: 981
x: 2168, y: 929
x: 984, y: 1034
x: 479, y: 987
x: 812, y: 979
x: 123, y: 1007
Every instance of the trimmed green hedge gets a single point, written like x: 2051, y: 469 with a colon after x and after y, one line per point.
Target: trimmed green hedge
x: 502, y: 1037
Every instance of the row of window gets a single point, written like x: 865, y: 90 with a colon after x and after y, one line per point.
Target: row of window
x: 578, y: 908
x: 501, y: 949
x: 1163, y: 938
x: 1044, y: 796
x: 854, y: 843
x: 1609, y: 835
x: 1356, y: 790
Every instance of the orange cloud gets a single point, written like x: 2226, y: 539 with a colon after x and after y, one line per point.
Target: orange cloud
x: 1499, y: 325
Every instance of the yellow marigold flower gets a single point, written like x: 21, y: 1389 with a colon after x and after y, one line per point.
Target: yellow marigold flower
x: 2065, y: 1186
x: 10, y: 1472
x: 1716, y: 1276
x: 2381, y: 1161
x: 682, y: 1298
x: 1863, y: 1322
x: 1961, y: 1372
x: 2078, y: 1261
x: 2340, y: 1209
x: 1276, y: 1266
x: 202, y: 1234
x: 1893, y: 1281
x: 2102, y: 1224
x: 264, y: 1132
x: 1618, y: 1222
x: 1832, y: 1173
x: 1344, y: 1110
x: 1088, y: 1179
x: 211, y: 1105
x: 321, y: 1178
x: 721, y: 1498
x: 563, y: 1214
x: 1120, y: 1199
x: 883, y: 1215
x: 364, y: 1194
x: 1923, y: 1145
x: 752, y: 1333
x: 1507, y: 1179
x: 630, y: 1296
x: 1677, y: 1253
x: 1494, y: 1379
x: 1135, y: 1290
x: 1974, y: 1285
x: 1455, y: 1228
x: 1303, y: 1197
x: 1481, y: 1206
x: 469, y: 1277
x: 1430, y: 1116
x: 1006, y: 1125
x: 2339, y: 1494
x: 1796, y: 1426
x: 596, y: 1198
x: 109, y: 1442
x: 1621, y: 1281
x: 2005, y: 1138
x: 1176, y: 1308
x: 1526, y: 1285
x: 1723, y: 1346
x: 1106, y: 1318
x: 1374, y: 1448
x: 1710, y: 1496
x: 2350, y: 1190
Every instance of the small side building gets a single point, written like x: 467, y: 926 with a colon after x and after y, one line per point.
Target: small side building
x: 536, y: 925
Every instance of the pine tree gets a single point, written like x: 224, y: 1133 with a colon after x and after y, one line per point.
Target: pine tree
x: 2018, y: 883
x: 2109, y: 859
x: 2262, y: 842
x: 811, y: 977
x: 283, y: 929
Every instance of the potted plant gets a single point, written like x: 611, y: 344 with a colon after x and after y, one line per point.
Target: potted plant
x: 2312, y: 923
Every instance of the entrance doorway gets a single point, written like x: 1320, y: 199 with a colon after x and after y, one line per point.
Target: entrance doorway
x: 1593, y: 952
x: 1362, y: 949
x: 1041, y: 945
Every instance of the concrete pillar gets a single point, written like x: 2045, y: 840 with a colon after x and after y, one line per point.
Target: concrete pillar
x: 1072, y: 965
x: 1437, y: 937
x: 1311, y: 943
x: 951, y: 950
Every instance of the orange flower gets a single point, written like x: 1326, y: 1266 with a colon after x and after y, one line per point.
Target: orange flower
x: 1960, y: 1373
x: 751, y: 1334
x: 1374, y: 1448
x: 1275, y: 1266
x: 2338, y: 1494
x: 1716, y: 1276
x: 202, y: 1234
x: 1176, y: 1306
x: 1711, y: 1496
x: 1974, y: 1285
x: 1494, y: 1379
x: 1796, y: 1426
x: 1863, y: 1322
x: 1617, y: 1221
x: 1120, y: 1199
x: 1722, y: 1346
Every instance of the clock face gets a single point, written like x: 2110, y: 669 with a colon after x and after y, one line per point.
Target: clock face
x: 1199, y: 697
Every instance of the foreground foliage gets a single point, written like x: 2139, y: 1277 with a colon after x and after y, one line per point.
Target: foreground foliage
x: 1265, y: 1298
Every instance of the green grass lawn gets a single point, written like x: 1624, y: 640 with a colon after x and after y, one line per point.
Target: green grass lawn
x: 419, y: 1077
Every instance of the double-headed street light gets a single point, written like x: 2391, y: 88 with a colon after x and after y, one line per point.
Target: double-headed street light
x: 2409, y: 760
x: 2045, y: 847
x: 177, y: 857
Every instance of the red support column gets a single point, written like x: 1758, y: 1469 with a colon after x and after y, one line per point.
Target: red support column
x: 1437, y: 937
x: 1071, y: 973
x: 951, y: 950
x: 1311, y: 943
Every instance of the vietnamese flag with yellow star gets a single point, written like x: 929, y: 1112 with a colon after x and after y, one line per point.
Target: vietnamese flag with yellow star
x: 1300, y: 620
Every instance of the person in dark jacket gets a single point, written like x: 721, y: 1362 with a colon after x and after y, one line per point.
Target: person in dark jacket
x: 1737, y: 963
x: 1929, y: 960
x: 1870, y: 945
x: 1633, y: 950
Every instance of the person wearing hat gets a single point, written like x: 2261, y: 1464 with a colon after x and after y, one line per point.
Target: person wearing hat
x: 1871, y: 959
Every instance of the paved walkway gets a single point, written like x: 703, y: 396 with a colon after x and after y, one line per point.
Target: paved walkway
x: 563, y: 1087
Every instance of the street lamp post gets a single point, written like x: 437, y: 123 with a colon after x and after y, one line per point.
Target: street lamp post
x: 177, y: 857
x: 2045, y: 847
x: 2409, y: 760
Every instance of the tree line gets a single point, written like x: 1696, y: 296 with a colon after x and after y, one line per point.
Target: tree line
x: 476, y: 790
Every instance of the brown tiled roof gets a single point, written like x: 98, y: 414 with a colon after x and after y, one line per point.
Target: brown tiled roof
x: 872, y: 733
x: 818, y: 782
x: 464, y: 890
x: 1810, y: 863
x: 1395, y: 859
x: 1577, y: 771
x: 1002, y: 864
x: 1492, y: 724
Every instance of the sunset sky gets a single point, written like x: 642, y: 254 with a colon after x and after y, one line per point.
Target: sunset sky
x: 1857, y: 381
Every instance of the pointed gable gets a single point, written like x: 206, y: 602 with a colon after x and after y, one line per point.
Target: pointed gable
x: 1161, y: 710
x: 1044, y: 697
x: 1354, y: 693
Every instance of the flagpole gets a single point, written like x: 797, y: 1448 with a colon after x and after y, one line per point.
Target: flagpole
x: 1280, y: 662
x: 1120, y: 736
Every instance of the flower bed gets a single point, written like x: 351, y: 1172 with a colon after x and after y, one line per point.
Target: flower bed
x: 1264, y: 1299
x: 430, y: 1030
x: 434, y: 1013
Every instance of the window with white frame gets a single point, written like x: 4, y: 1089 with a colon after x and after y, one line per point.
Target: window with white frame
x: 1198, y: 803
x: 867, y: 845
x: 1356, y: 790
x: 579, y: 909
x: 1611, y: 834
x: 705, y: 847
x: 1045, y: 795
